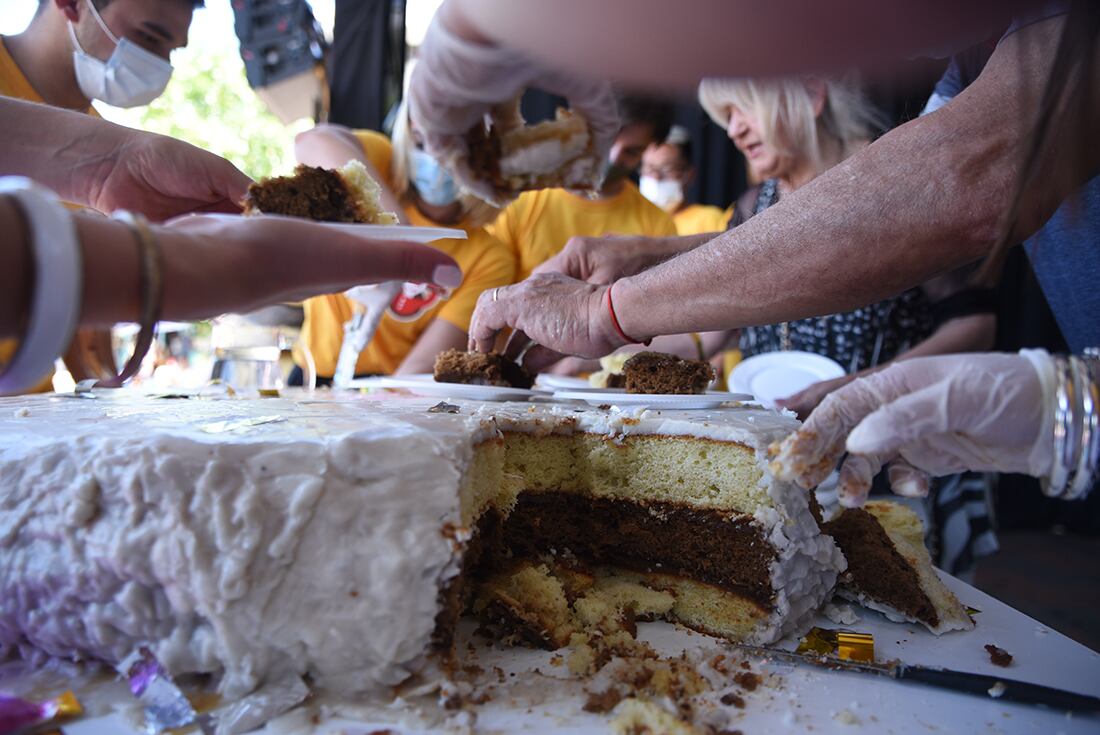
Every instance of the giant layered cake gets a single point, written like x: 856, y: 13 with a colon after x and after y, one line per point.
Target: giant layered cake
x: 340, y: 538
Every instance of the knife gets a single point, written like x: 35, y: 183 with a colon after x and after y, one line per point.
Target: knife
x: 995, y: 687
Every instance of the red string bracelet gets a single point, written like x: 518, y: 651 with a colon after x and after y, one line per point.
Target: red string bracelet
x: 615, y: 322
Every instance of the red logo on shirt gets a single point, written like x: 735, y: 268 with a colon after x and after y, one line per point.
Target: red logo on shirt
x: 415, y: 300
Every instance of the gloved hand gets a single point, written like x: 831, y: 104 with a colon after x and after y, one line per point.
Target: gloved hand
x: 933, y: 415
x: 457, y: 82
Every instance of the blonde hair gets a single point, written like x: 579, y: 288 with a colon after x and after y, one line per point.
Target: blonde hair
x: 785, y: 111
x: 475, y: 212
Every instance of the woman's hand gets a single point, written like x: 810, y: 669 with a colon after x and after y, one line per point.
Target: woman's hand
x: 933, y: 415
x: 460, y: 77
x: 214, y: 266
x: 561, y: 315
x: 806, y: 400
x: 161, y: 177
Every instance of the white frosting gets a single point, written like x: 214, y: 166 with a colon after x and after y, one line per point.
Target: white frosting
x: 268, y: 537
x: 310, y: 543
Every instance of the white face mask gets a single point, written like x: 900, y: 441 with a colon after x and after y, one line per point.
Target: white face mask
x: 130, y: 77
x: 665, y: 193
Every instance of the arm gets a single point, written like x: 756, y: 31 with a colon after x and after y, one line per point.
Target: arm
x: 731, y: 38
x: 332, y: 146
x: 107, y: 167
x: 202, y: 263
x: 439, y: 336
x: 854, y: 235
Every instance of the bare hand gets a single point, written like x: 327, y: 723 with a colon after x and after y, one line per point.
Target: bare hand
x: 563, y: 316
x: 805, y: 401
x: 241, y: 265
x: 162, y: 177
x: 606, y: 259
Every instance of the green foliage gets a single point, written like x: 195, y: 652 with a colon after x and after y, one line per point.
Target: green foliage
x: 209, y: 103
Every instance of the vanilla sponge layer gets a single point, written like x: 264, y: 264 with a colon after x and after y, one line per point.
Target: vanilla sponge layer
x: 693, y: 471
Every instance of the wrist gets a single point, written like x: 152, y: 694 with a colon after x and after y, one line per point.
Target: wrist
x: 625, y: 310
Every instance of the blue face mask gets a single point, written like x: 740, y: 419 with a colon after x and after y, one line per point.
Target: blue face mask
x: 432, y: 182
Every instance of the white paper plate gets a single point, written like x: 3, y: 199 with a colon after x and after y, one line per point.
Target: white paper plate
x: 424, y: 384
x: 711, y: 399
x: 369, y: 232
x: 776, y: 375
x: 561, y: 382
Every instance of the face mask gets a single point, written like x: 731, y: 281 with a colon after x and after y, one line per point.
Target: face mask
x: 131, y: 76
x: 665, y: 193
x: 432, y: 182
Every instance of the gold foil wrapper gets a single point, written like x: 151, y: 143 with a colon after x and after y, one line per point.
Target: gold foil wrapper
x: 68, y: 705
x: 847, y: 645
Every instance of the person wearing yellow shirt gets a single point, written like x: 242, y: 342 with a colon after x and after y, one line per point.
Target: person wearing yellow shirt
x: 61, y: 60
x: 422, y: 320
x: 538, y: 224
x: 666, y: 175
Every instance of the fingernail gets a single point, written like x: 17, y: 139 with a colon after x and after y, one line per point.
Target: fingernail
x: 447, y: 275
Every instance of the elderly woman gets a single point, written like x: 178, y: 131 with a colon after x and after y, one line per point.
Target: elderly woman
x: 423, y: 319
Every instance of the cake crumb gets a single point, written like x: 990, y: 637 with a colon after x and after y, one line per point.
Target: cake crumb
x: 602, y: 702
x: 22, y: 412
x: 998, y: 656
x: 997, y: 690
x: 845, y: 717
x: 747, y: 680
x: 731, y: 699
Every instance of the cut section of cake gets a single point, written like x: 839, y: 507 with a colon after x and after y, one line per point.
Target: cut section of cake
x: 657, y: 372
x: 347, y: 195
x: 610, y: 374
x: 517, y: 158
x: 890, y: 570
x: 480, y: 368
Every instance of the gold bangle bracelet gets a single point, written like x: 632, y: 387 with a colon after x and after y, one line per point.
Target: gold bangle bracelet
x: 152, y: 295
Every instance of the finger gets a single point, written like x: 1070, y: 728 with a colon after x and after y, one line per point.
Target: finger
x: 487, y: 321
x: 856, y: 476
x: 477, y: 186
x: 904, y: 420
x: 809, y: 455
x: 906, y: 480
x: 538, y: 357
x: 518, y: 341
x: 394, y: 260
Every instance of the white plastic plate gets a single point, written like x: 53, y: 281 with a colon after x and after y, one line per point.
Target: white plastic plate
x: 711, y: 399
x: 777, y: 375
x: 424, y: 384
x: 369, y: 232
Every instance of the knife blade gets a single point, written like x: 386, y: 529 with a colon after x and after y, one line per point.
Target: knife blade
x: 984, y: 685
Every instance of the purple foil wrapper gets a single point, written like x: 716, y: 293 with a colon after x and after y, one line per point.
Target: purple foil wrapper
x: 166, y: 707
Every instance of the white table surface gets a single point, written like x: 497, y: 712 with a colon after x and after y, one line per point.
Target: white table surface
x: 798, y: 699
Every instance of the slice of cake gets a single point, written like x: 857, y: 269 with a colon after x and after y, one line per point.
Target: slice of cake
x: 610, y: 374
x: 657, y: 372
x: 338, y: 538
x: 480, y: 368
x: 345, y: 195
x: 889, y: 569
x: 520, y: 158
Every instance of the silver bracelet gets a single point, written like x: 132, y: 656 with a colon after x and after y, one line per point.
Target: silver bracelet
x: 1087, y: 370
x: 1054, y: 485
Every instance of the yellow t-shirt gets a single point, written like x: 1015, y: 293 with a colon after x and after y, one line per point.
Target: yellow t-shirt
x: 695, y: 219
x: 538, y: 224
x: 485, y: 263
x: 13, y: 83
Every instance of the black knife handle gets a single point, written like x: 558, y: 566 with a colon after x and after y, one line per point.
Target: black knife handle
x: 1014, y: 691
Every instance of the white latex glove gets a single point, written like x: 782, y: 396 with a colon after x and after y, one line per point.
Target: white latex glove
x: 456, y: 82
x: 928, y: 416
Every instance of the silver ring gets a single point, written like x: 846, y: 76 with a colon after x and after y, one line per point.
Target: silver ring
x: 495, y: 293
